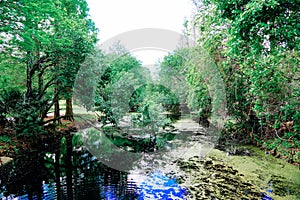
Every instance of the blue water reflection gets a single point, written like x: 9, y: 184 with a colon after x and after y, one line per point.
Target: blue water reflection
x: 64, y: 173
x: 155, y: 186
x: 266, y: 197
x: 269, y: 191
x: 159, y: 186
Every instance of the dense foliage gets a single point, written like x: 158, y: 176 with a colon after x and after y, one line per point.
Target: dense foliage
x: 246, y: 52
x: 115, y: 86
x: 42, y: 46
x: 255, y: 45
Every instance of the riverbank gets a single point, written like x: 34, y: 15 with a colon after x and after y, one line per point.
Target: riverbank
x: 242, y: 172
x: 13, y: 145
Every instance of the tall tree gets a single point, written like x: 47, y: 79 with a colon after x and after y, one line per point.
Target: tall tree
x: 259, y: 61
x: 43, y: 37
x: 82, y: 44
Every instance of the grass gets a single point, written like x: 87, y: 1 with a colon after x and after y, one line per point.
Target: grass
x: 76, y: 109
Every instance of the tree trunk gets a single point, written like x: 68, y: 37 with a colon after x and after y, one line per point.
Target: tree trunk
x: 56, y: 112
x: 69, y: 115
x: 28, y: 83
x: 56, y: 108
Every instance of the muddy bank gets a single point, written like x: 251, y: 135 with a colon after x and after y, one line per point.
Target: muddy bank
x: 15, y: 145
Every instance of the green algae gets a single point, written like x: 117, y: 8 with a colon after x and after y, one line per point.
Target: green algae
x: 211, y: 178
x: 265, y: 171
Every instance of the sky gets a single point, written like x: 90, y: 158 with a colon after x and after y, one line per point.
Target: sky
x: 114, y: 17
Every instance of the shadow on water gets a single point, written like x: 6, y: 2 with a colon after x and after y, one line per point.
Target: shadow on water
x: 70, y: 172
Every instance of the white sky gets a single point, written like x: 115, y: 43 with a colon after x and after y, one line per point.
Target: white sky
x: 114, y: 17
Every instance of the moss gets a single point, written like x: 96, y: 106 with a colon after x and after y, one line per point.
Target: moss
x: 265, y: 171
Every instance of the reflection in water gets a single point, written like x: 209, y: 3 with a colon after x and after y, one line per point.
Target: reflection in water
x: 266, y: 197
x: 159, y: 186
x: 269, y: 191
x: 69, y: 172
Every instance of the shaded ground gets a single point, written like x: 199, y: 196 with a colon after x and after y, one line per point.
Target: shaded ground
x: 14, y: 145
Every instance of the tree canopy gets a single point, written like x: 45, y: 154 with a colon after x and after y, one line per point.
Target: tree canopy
x: 255, y: 45
x: 45, y: 41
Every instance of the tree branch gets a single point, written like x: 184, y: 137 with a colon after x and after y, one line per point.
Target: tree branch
x: 42, y: 60
x: 48, y: 84
x: 50, y: 105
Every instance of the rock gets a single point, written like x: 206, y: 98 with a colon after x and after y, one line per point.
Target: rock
x: 168, y: 129
x: 108, y: 125
x: 198, y: 133
x: 4, y: 160
x: 176, y: 132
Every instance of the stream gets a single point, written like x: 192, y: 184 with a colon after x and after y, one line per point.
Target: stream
x: 185, y: 166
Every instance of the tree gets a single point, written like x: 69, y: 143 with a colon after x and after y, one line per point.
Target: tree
x: 264, y: 40
x: 258, y: 54
x: 261, y: 25
x: 44, y: 37
x: 116, y: 85
x: 83, y: 39
x: 189, y: 80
